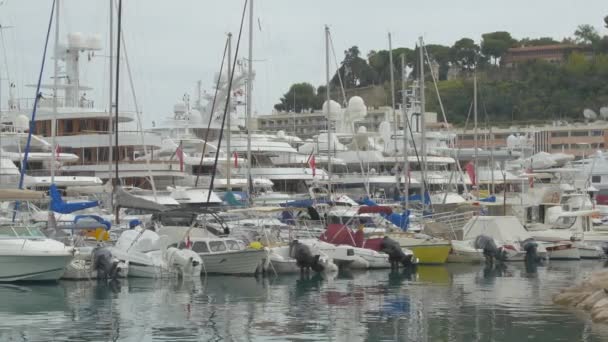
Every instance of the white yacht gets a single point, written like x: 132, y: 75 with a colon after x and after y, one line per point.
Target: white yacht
x: 83, y: 125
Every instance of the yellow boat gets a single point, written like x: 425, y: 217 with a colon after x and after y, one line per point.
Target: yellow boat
x: 428, y: 251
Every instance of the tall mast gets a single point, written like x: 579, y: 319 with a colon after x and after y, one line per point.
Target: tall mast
x: 228, y: 131
x: 327, y: 109
x: 249, y: 99
x: 55, y: 86
x: 110, y: 97
x: 422, y: 124
x: 117, y: 180
x: 406, y: 163
x: 475, y: 129
x: 390, y: 59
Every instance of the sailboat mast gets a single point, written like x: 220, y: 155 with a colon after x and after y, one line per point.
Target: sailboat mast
x: 55, y: 98
x: 390, y: 59
x: 406, y: 162
x: 228, y: 124
x: 249, y: 99
x: 110, y: 98
x: 422, y: 125
x: 116, y: 99
x: 475, y: 129
x: 327, y: 109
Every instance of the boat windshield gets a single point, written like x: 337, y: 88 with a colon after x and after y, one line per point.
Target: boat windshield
x: 200, y: 247
x: 20, y: 231
x: 217, y: 246
x: 564, y: 222
x: 233, y: 245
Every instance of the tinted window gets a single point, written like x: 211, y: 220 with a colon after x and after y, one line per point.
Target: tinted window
x: 200, y: 247
x: 232, y: 245
x: 596, y: 179
x: 217, y: 246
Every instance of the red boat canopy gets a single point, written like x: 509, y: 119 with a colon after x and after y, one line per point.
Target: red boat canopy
x: 378, y: 209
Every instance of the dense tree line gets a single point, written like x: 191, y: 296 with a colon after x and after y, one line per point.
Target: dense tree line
x: 533, y: 90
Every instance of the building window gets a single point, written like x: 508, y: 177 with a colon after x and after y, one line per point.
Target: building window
x: 558, y: 146
x: 559, y: 134
x: 596, y: 179
x: 597, y: 133
x: 579, y: 133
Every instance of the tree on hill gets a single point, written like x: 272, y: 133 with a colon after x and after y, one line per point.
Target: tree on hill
x: 465, y: 53
x: 587, y: 34
x: 496, y: 44
x: 441, y: 55
x: 301, y: 96
x: 537, y: 41
x: 354, y: 70
x: 606, y: 21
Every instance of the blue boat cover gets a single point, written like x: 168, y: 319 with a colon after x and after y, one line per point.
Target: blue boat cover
x: 106, y: 223
x: 231, y: 199
x: 60, y: 206
x: 400, y: 220
x: 491, y: 199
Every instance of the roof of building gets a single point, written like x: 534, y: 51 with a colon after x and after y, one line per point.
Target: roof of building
x: 547, y: 47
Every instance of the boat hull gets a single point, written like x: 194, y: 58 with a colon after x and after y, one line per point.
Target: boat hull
x: 245, y: 262
x: 41, y: 267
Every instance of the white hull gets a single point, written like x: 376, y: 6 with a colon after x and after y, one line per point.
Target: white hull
x: 244, y: 262
x: 32, y: 267
x: 464, y: 252
x: 571, y: 253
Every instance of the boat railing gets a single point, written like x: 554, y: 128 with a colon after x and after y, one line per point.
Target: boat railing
x: 21, y: 232
x: 48, y: 102
x: 453, y: 221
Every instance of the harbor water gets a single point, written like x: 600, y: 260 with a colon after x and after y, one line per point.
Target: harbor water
x: 433, y: 303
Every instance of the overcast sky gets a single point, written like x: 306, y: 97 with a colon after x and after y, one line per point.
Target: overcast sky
x: 172, y: 44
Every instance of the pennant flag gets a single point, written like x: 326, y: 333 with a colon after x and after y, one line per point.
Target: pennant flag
x: 188, y: 242
x: 530, y: 178
x: 236, y: 159
x: 57, y: 152
x: 470, y: 168
x: 180, y: 155
x: 313, y: 165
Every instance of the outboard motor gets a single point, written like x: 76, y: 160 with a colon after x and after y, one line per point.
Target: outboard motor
x: 490, y: 251
x: 304, y: 257
x: 104, y: 264
x: 395, y: 253
x: 531, y: 247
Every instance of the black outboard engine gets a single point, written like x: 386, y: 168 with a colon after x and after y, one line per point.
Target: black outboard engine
x: 104, y: 264
x: 304, y: 258
x: 395, y: 253
x: 490, y: 251
x: 531, y: 247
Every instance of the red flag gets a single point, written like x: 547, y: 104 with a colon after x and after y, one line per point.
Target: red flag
x: 530, y: 178
x: 188, y: 242
x: 180, y: 155
x: 236, y: 159
x: 57, y: 151
x: 470, y: 168
x: 312, y: 164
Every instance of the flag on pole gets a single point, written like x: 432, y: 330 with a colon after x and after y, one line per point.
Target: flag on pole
x: 470, y: 168
x: 236, y: 159
x: 313, y: 165
x: 57, y: 152
x: 530, y: 177
x: 188, y: 242
x: 180, y: 155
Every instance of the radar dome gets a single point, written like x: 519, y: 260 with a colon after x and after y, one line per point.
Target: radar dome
x: 179, y: 108
x: 22, y: 123
x: 334, y: 109
x: 512, y: 141
x: 356, y: 108
x: 75, y: 40
x: 362, y: 129
x: 94, y: 41
x: 589, y: 114
x: 604, y: 113
x: 281, y: 134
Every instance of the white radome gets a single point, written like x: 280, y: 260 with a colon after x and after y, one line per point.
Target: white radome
x: 356, y: 107
x: 75, y: 40
x: 22, y: 123
x: 94, y: 41
x: 334, y: 109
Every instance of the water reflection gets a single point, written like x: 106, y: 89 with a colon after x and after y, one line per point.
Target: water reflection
x: 448, y: 303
